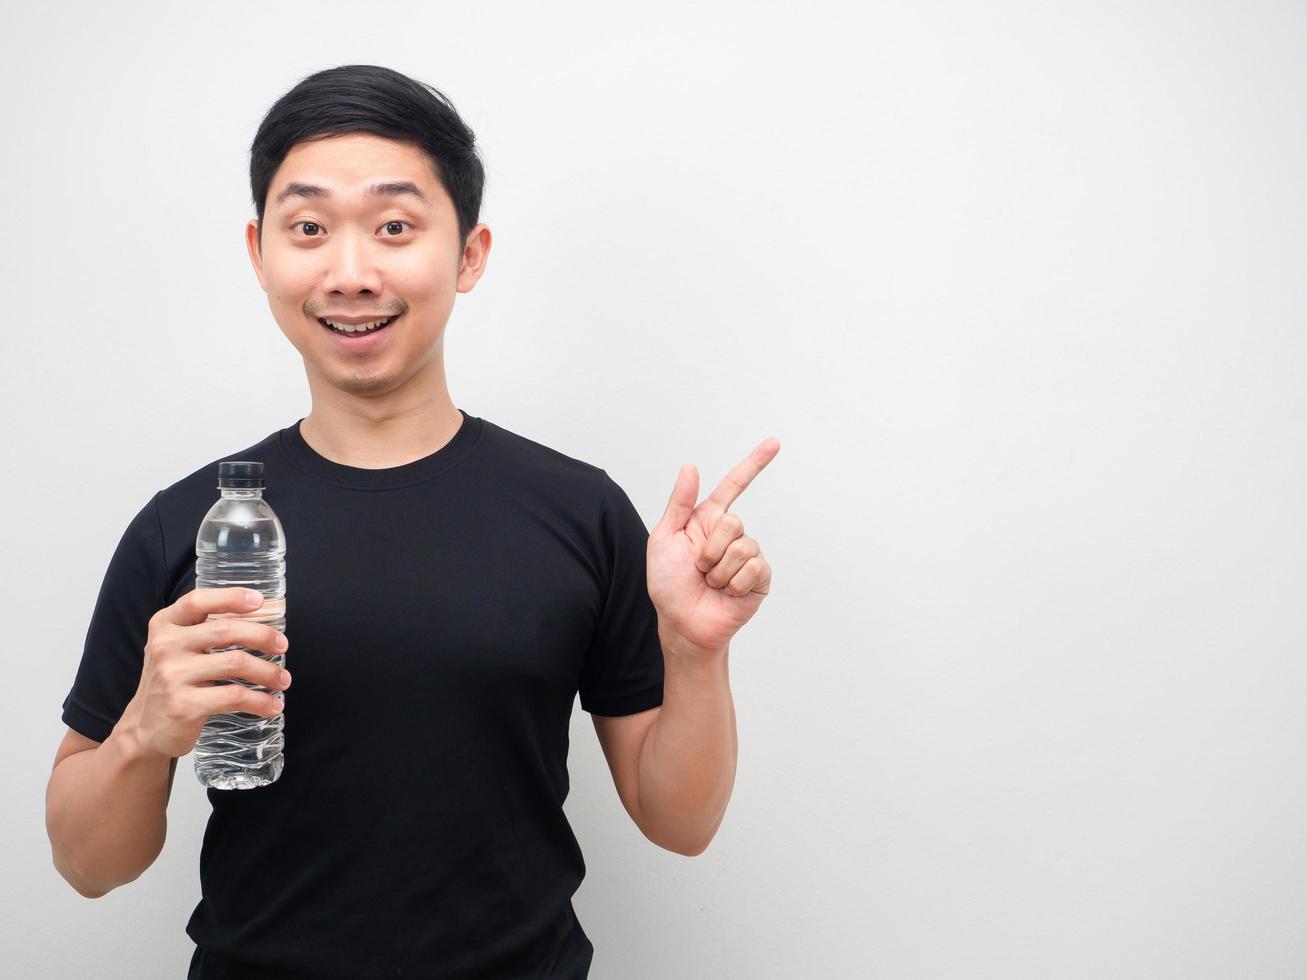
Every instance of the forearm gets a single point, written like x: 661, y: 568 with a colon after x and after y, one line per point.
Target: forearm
x: 688, y: 760
x: 106, y: 814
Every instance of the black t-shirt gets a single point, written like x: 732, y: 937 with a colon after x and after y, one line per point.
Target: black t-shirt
x: 443, y: 616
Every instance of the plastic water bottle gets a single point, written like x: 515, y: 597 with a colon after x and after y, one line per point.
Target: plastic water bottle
x: 241, y: 543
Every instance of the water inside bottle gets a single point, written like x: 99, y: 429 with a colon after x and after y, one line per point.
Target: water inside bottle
x: 241, y: 543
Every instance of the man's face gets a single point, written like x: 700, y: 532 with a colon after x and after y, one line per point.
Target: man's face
x: 345, y: 251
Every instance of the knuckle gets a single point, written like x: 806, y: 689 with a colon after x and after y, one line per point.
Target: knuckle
x: 167, y: 674
x: 234, y: 694
x: 158, y: 644
x: 233, y: 660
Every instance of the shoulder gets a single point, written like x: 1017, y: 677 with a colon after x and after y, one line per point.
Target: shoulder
x: 553, y: 482
x: 184, y: 502
x: 529, y: 462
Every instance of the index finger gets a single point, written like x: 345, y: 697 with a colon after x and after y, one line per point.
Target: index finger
x: 742, y: 473
x: 196, y: 606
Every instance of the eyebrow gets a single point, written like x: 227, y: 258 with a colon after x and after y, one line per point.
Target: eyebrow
x: 391, y: 188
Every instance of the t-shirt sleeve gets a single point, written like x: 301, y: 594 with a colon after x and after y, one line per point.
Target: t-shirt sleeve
x: 132, y: 591
x: 623, y: 670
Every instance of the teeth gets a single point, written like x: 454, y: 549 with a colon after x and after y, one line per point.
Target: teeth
x: 357, y: 327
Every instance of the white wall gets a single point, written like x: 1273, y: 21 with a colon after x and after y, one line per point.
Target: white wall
x: 1018, y: 286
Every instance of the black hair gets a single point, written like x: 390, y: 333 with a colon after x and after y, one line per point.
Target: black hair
x: 380, y: 101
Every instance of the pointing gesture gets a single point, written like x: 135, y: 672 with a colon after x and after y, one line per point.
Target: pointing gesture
x: 706, y: 576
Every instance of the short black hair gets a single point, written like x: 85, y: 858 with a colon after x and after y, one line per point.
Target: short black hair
x: 380, y: 101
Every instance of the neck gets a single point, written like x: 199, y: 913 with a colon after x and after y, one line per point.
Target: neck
x: 362, y: 436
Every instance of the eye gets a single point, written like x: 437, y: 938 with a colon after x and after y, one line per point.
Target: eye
x: 390, y: 224
x: 307, y: 226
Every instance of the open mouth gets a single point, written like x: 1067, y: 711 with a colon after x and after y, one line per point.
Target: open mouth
x: 360, y: 329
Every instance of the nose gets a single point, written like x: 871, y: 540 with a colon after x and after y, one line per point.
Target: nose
x: 351, y: 266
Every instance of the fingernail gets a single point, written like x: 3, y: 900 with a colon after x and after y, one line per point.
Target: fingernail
x: 285, y: 678
x: 253, y: 598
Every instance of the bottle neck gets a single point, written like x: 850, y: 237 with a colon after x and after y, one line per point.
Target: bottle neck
x: 242, y: 493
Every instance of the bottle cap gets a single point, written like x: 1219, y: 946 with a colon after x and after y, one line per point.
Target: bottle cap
x: 245, y: 474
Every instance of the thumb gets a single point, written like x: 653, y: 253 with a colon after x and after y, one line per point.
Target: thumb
x: 681, y: 504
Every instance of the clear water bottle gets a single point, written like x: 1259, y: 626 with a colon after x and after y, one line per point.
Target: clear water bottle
x: 241, y: 543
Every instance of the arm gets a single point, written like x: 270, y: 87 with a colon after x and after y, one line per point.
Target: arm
x: 106, y: 810
x: 106, y: 806
x: 675, y: 765
x: 686, y: 765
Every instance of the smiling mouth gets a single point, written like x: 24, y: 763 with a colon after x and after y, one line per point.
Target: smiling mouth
x: 358, y: 330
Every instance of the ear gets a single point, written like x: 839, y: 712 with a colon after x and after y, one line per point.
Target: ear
x: 256, y: 252
x: 473, y: 261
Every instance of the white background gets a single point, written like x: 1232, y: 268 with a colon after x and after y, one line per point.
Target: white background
x: 1020, y: 289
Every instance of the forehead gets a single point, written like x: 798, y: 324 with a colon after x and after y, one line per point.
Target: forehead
x: 359, y: 168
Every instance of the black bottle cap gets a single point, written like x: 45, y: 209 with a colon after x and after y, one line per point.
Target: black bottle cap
x: 240, y: 474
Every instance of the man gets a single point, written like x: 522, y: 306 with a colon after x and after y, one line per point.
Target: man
x: 451, y: 588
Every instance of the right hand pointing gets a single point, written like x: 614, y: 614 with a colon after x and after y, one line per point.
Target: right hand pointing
x: 176, y: 695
